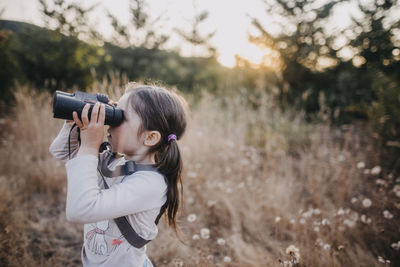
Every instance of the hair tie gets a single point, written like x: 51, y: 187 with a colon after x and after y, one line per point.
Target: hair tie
x: 171, y: 137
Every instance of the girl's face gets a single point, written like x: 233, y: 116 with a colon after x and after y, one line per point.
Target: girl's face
x: 124, y: 138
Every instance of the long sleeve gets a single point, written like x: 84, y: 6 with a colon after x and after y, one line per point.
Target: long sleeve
x: 59, y: 146
x: 88, y: 203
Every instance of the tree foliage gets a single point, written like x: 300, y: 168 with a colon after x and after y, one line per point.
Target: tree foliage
x: 141, y: 31
x: 318, y: 79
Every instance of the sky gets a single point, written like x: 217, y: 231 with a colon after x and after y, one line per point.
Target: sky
x: 229, y: 18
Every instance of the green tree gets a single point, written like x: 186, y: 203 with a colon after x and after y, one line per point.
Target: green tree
x: 9, y: 69
x: 60, y: 59
x: 142, y: 31
x: 69, y: 19
x: 304, y: 48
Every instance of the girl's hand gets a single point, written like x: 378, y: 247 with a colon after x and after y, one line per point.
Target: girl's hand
x: 92, y: 132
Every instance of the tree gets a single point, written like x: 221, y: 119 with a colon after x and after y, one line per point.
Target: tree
x: 375, y: 40
x: 194, y: 37
x: 303, y: 45
x: 144, y: 32
x: 70, y: 19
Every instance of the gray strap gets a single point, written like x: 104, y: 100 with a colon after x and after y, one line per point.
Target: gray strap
x: 122, y: 222
x: 127, y: 230
x: 128, y: 168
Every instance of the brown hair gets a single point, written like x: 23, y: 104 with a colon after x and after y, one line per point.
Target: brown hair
x: 164, y: 111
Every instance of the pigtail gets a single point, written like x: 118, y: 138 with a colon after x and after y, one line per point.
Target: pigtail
x: 169, y: 163
x: 165, y: 112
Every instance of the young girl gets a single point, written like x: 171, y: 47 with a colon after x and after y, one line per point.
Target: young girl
x: 154, y: 119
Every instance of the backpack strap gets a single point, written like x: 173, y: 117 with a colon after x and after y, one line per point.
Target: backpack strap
x: 122, y: 222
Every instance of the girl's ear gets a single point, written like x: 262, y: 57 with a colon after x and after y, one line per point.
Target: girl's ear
x: 152, y: 138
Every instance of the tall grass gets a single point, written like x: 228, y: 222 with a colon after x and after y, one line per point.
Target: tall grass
x: 255, y: 182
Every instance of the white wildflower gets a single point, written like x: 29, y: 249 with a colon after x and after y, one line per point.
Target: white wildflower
x: 349, y: 223
x: 354, y: 216
x: 381, y: 182
x: 396, y: 246
x: 354, y: 200
x: 316, y: 229
x: 294, y: 253
x: 361, y: 165
x: 396, y: 190
x: 191, y: 218
x: 221, y: 241
x: 205, y: 233
x: 307, y: 213
x: 210, y: 257
x: 302, y: 221
x: 365, y: 219
x: 292, y: 221
x: 340, y: 211
x: 195, y: 237
x: 367, y: 171
x: 367, y: 202
x: 325, y: 222
x: 319, y: 242
x: 327, y: 247
x: 227, y: 259
x: 317, y: 211
x: 376, y: 170
x: 277, y: 219
x: 387, y: 214
x: 382, y: 260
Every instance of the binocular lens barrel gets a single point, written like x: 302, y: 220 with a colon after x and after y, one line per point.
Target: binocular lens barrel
x: 64, y: 104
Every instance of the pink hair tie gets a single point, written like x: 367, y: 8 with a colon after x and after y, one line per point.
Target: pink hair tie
x: 171, y: 137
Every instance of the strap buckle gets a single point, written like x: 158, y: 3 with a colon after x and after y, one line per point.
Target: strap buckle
x: 130, y: 167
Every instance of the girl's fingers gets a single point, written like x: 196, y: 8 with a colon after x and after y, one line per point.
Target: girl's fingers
x: 111, y: 102
x: 95, y: 112
x: 102, y: 115
x: 76, y: 119
x: 84, y: 115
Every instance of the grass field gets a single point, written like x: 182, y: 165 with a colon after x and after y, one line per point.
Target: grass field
x: 261, y: 188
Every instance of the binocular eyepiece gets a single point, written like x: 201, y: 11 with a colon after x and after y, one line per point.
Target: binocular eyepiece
x: 65, y: 103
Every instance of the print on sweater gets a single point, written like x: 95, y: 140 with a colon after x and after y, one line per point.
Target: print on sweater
x: 116, y: 242
x: 96, y: 241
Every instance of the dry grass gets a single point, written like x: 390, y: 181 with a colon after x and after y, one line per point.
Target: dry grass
x: 257, y: 180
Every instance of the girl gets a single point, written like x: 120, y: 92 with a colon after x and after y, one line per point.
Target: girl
x: 154, y: 119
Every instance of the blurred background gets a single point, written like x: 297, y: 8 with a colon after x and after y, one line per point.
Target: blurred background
x: 292, y: 152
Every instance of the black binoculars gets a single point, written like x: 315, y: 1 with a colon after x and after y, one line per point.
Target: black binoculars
x: 65, y: 103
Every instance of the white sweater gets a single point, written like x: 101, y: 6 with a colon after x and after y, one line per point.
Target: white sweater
x: 140, y: 196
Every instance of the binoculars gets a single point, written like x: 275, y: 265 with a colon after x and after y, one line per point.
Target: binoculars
x: 65, y: 103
